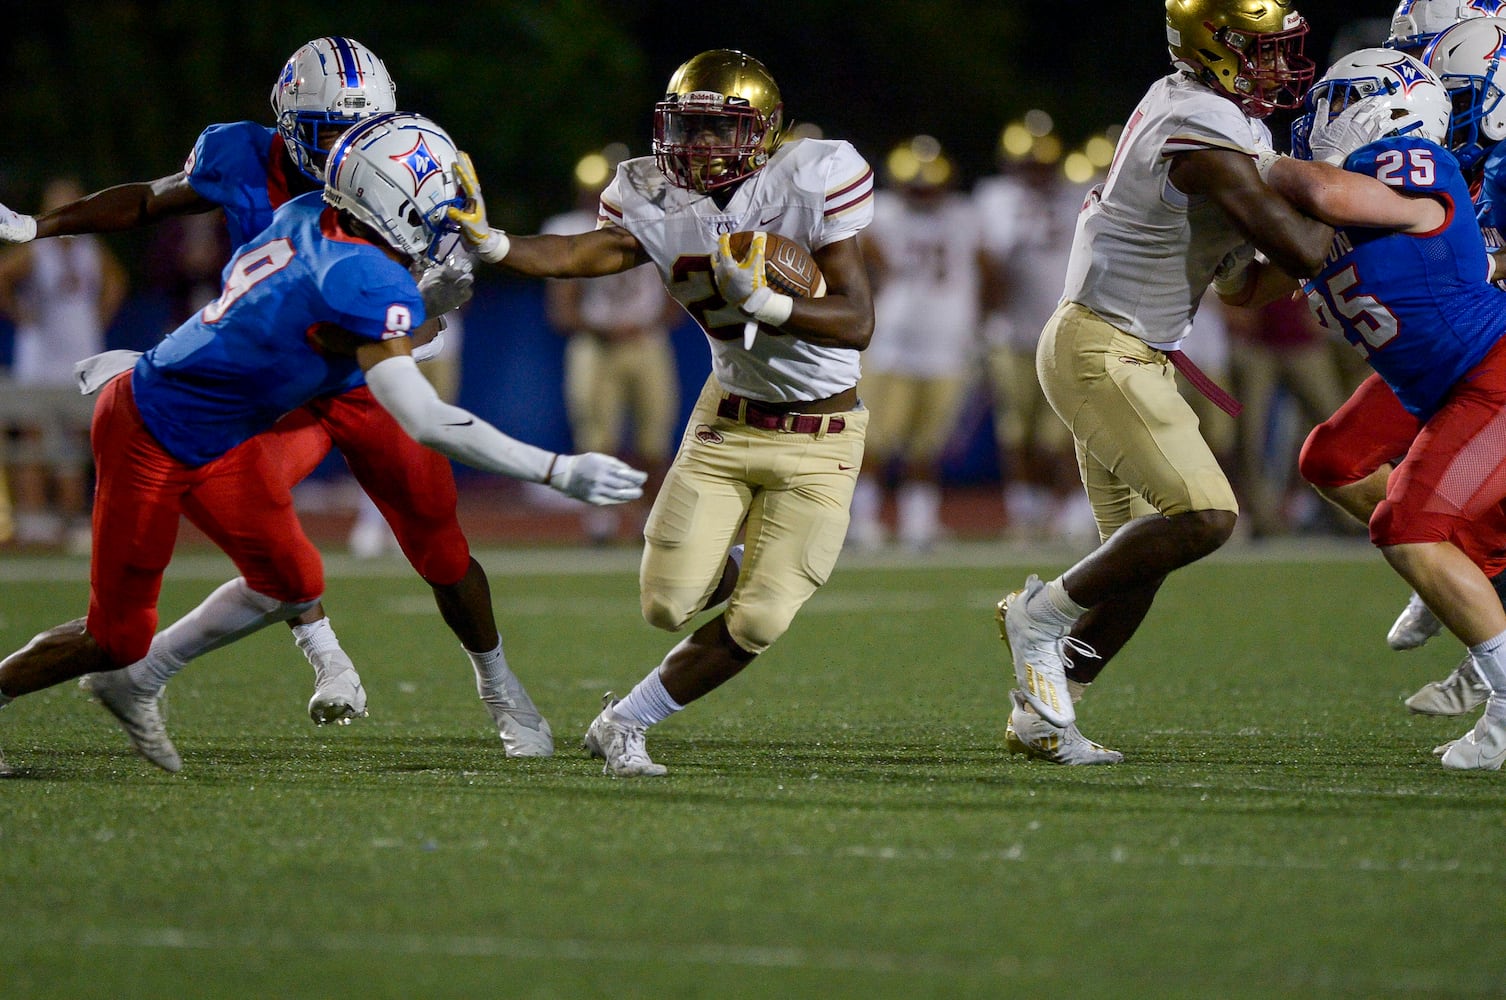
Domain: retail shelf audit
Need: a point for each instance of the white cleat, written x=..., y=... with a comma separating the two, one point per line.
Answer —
x=1029, y=734
x=338, y=698
x=1036, y=649
x=524, y=732
x=620, y=742
x=138, y=714
x=1456, y=694
x=1414, y=626
x=1483, y=748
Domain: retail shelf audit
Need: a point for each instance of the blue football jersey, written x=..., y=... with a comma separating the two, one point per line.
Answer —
x=1417, y=305
x=242, y=168
x=252, y=355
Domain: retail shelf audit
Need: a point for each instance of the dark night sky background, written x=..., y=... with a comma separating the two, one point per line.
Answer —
x=118, y=91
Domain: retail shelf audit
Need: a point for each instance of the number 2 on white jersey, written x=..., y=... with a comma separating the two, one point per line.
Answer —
x=251, y=267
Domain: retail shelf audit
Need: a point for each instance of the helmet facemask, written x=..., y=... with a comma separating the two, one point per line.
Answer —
x=1274, y=73
x=704, y=141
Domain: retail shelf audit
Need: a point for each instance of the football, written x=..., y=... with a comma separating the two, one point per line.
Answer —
x=788, y=267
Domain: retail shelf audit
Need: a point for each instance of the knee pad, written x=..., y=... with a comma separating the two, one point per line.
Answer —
x=1324, y=461
x=663, y=611
x=755, y=627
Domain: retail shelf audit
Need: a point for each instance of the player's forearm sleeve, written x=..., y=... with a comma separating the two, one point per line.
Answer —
x=449, y=430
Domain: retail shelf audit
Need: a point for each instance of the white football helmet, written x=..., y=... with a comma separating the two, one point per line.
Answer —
x=329, y=82
x=1416, y=22
x=1369, y=95
x=1470, y=59
x=396, y=174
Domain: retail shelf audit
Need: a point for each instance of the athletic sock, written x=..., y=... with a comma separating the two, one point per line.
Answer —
x=318, y=642
x=648, y=703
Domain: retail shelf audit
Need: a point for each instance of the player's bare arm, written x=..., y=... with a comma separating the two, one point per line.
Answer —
x=1344, y=198
x=843, y=317
x=1294, y=242
x=124, y=206
x=588, y=255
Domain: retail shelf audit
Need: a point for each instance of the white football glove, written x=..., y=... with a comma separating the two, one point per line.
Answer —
x=491, y=245
x=447, y=285
x=15, y=227
x=597, y=479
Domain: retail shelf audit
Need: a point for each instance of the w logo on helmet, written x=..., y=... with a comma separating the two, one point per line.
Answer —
x=1410, y=74
x=421, y=163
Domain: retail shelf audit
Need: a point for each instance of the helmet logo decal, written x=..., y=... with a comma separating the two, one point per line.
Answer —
x=1490, y=8
x=421, y=163
x=1410, y=74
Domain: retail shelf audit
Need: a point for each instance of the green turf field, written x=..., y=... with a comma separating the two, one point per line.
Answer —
x=840, y=821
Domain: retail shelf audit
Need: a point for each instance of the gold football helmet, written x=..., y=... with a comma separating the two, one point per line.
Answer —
x=1250, y=50
x=719, y=121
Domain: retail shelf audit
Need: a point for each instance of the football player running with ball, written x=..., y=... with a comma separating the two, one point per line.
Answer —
x=319, y=303
x=249, y=170
x=1183, y=198
x=774, y=443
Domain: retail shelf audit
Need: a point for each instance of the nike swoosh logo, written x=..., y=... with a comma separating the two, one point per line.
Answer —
x=845, y=468
x=772, y=218
x=463, y=423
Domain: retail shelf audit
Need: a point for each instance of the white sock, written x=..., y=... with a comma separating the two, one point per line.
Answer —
x=1053, y=606
x=867, y=500
x=232, y=611
x=919, y=513
x=648, y=703
x=1490, y=664
x=491, y=671
x=318, y=642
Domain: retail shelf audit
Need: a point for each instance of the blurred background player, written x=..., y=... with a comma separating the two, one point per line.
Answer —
x=1182, y=201
x=621, y=390
x=1028, y=211
x=924, y=257
x=775, y=440
x=320, y=301
x=62, y=295
x=1283, y=370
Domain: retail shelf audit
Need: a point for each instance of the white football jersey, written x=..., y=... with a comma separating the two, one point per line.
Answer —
x=634, y=297
x=60, y=321
x=1027, y=230
x=927, y=304
x=813, y=191
x=1144, y=252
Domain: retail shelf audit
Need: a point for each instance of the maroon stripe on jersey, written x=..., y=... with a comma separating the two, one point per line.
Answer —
x=610, y=211
x=860, y=181
x=839, y=209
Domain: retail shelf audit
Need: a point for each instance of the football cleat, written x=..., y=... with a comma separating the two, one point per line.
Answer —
x=1029, y=734
x=1036, y=649
x=1483, y=748
x=138, y=714
x=620, y=742
x=1456, y=694
x=338, y=698
x=524, y=732
x=1414, y=626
